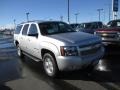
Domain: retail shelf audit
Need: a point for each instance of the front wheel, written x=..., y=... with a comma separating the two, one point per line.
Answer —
x=50, y=65
x=19, y=52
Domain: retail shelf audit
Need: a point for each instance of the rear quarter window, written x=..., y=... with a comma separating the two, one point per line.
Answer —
x=18, y=29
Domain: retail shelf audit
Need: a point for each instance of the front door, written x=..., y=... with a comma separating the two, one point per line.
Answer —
x=33, y=42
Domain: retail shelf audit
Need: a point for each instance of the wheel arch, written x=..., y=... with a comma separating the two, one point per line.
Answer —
x=43, y=51
x=16, y=42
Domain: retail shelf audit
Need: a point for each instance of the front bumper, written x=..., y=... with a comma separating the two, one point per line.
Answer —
x=109, y=37
x=70, y=63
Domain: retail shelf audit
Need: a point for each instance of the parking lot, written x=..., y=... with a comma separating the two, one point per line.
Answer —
x=106, y=75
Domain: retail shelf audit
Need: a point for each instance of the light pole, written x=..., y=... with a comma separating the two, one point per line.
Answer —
x=99, y=11
x=61, y=18
x=109, y=12
x=50, y=19
x=27, y=14
x=68, y=12
x=76, y=16
x=104, y=15
x=14, y=23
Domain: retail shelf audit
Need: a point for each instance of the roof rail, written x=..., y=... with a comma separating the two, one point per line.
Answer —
x=32, y=21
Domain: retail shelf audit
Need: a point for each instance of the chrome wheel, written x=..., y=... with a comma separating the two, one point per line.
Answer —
x=18, y=51
x=49, y=65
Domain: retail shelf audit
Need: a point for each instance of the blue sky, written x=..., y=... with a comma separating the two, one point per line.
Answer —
x=52, y=9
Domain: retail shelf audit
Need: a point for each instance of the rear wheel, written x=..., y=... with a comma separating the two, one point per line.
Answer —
x=50, y=65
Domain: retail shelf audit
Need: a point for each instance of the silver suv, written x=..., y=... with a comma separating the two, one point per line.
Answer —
x=57, y=45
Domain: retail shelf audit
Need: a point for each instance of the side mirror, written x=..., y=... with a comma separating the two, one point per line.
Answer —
x=34, y=35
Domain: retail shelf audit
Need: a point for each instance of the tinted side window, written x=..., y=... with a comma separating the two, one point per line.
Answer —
x=109, y=24
x=18, y=29
x=100, y=25
x=33, y=29
x=113, y=24
x=24, y=32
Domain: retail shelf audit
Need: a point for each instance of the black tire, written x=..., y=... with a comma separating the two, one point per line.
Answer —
x=50, y=65
x=19, y=52
x=90, y=69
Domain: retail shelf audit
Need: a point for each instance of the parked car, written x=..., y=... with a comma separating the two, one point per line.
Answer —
x=74, y=26
x=111, y=34
x=90, y=27
x=58, y=46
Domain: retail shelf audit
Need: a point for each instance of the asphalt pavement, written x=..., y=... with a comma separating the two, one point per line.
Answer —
x=106, y=75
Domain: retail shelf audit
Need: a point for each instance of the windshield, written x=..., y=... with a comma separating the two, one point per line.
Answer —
x=114, y=23
x=49, y=28
x=92, y=25
x=74, y=25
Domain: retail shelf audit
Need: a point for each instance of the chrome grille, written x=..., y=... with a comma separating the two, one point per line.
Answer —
x=108, y=35
x=90, y=44
x=89, y=49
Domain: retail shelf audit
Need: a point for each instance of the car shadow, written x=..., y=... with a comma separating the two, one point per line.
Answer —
x=4, y=87
x=37, y=71
x=106, y=71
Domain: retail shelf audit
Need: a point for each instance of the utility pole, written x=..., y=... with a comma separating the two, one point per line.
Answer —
x=68, y=12
x=27, y=14
x=99, y=11
x=76, y=16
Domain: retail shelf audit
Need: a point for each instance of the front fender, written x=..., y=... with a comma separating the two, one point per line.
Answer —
x=51, y=47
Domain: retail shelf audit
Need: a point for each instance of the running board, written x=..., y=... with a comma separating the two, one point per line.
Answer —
x=32, y=57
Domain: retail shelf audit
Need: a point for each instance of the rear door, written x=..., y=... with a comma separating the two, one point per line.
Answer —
x=23, y=38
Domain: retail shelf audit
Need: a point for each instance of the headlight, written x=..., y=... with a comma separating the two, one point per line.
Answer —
x=69, y=51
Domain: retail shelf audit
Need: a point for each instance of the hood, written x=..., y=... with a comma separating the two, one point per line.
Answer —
x=74, y=37
x=116, y=29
